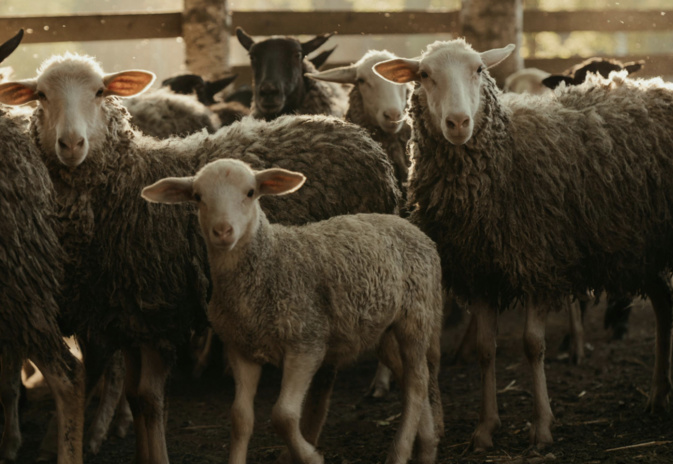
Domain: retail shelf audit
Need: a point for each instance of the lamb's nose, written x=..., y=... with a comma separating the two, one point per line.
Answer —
x=222, y=230
x=457, y=121
x=392, y=115
x=71, y=143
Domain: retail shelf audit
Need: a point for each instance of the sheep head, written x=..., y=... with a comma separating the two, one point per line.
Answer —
x=450, y=76
x=227, y=193
x=384, y=101
x=71, y=90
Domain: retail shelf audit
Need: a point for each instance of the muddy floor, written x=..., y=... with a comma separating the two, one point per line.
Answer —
x=598, y=407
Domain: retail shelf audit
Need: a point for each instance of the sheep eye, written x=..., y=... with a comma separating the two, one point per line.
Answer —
x=251, y=192
x=480, y=69
x=99, y=93
x=197, y=197
x=360, y=80
x=424, y=75
x=41, y=95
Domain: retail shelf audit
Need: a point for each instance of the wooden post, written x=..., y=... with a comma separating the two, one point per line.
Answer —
x=488, y=24
x=206, y=29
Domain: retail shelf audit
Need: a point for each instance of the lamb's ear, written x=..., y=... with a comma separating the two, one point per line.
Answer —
x=555, y=80
x=399, y=70
x=128, y=83
x=496, y=56
x=276, y=181
x=315, y=43
x=8, y=47
x=320, y=58
x=634, y=66
x=244, y=38
x=18, y=93
x=343, y=75
x=170, y=190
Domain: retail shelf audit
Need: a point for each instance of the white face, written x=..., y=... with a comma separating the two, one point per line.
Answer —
x=72, y=103
x=384, y=102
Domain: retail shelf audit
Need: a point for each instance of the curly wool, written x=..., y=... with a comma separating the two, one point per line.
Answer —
x=395, y=145
x=162, y=114
x=137, y=272
x=31, y=258
x=320, y=98
x=551, y=196
x=347, y=172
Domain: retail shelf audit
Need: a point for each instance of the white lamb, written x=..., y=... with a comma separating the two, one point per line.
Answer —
x=310, y=299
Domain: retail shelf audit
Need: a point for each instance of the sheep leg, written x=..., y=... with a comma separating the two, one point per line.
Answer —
x=659, y=292
x=113, y=385
x=415, y=405
x=151, y=391
x=380, y=385
x=317, y=403
x=67, y=383
x=133, y=372
x=123, y=418
x=203, y=353
x=298, y=371
x=468, y=345
x=486, y=320
x=534, y=346
x=576, y=349
x=246, y=376
x=10, y=391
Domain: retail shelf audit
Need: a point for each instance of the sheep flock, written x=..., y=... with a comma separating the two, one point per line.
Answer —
x=312, y=217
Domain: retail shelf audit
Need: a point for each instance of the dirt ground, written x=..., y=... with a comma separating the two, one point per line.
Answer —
x=598, y=407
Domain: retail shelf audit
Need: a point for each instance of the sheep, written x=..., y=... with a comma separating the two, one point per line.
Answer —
x=188, y=84
x=162, y=113
x=377, y=105
x=527, y=80
x=533, y=198
x=310, y=299
x=279, y=86
x=577, y=74
x=31, y=269
x=137, y=275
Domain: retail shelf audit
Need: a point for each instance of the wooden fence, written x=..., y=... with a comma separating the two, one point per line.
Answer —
x=41, y=29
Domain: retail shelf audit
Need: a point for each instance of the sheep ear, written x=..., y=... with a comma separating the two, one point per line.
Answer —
x=18, y=93
x=320, y=58
x=8, y=47
x=127, y=83
x=314, y=43
x=399, y=70
x=170, y=190
x=634, y=66
x=244, y=39
x=278, y=181
x=493, y=57
x=344, y=75
x=554, y=81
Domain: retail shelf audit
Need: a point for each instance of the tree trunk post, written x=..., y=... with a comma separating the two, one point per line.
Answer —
x=488, y=24
x=206, y=29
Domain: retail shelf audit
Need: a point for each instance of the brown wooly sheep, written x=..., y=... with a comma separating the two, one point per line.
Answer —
x=535, y=199
x=310, y=299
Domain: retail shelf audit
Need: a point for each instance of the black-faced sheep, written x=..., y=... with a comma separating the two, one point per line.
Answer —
x=577, y=74
x=31, y=270
x=279, y=86
x=534, y=199
x=311, y=299
x=137, y=273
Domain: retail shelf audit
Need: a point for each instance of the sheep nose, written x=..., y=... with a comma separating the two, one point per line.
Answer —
x=268, y=88
x=457, y=121
x=222, y=231
x=71, y=143
x=392, y=115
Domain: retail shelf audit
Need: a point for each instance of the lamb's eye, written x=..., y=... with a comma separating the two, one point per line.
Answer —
x=480, y=69
x=424, y=75
x=41, y=95
x=251, y=192
x=360, y=80
x=197, y=197
x=99, y=93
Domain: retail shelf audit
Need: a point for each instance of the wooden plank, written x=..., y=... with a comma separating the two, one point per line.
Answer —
x=598, y=21
x=76, y=28
x=655, y=65
x=345, y=22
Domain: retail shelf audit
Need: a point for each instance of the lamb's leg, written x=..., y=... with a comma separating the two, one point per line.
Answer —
x=10, y=389
x=113, y=385
x=576, y=348
x=659, y=292
x=415, y=406
x=534, y=346
x=317, y=403
x=67, y=383
x=486, y=320
x=380, y=385
x=151, y=392
x=468, y=344
x=298, y=370
x=246, y=376
x=132, y=382
x=122, y=419
x=203, y=352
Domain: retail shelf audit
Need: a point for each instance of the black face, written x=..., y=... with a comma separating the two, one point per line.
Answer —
x=278, y=74
x=8, y=47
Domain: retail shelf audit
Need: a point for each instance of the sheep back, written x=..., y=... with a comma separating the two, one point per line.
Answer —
x=347, y=172
x=551, y=196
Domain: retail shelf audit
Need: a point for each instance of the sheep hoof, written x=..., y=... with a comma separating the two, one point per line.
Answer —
x=481, y=441
x=540, y=437
x=378, y=392
x=46, y=456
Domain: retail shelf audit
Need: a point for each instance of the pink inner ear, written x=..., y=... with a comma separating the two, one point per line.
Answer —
x=129, y=83
x=17, y=94
x=396, y=71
